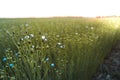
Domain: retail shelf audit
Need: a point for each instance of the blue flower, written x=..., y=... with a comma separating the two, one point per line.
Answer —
x=52, y=65
x=11, y=65
x=4, y=59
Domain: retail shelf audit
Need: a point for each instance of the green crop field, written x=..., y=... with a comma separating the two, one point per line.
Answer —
x=55, y=48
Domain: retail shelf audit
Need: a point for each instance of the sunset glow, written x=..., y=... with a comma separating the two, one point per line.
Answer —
x=50, y=8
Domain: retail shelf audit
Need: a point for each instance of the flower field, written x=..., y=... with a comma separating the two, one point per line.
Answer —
x=54, y=48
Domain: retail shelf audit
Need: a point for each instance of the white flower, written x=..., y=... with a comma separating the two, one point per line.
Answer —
x=76, y=33
x=59, y=43
x=33, y=46
x=92, y=27
x=62, y=46
x=21, y=39
x=47, y=46
x=27, y=37
x=43, y=38
x=31, y=35
x=47, y=59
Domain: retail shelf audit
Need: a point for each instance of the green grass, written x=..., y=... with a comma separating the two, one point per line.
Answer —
x=54, y=48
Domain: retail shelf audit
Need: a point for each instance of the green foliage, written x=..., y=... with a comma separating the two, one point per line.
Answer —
x=54, y=48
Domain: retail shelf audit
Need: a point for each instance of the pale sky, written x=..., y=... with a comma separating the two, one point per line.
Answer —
x=49, y=8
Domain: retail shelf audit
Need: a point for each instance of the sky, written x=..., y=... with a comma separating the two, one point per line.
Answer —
x=51, y=8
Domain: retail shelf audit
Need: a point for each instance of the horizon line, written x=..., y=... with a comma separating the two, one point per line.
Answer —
x=67, y=16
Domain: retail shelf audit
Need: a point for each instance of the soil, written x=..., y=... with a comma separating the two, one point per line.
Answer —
x=110, y=69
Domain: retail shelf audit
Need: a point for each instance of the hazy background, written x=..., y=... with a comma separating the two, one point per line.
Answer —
x=49, y=8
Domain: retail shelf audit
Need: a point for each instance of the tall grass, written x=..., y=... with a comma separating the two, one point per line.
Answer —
x=54, y=48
